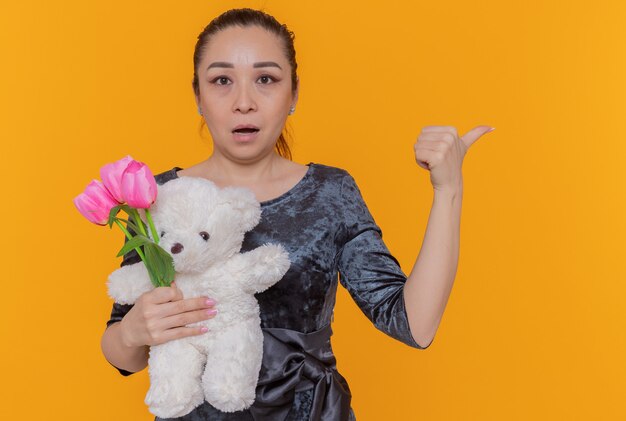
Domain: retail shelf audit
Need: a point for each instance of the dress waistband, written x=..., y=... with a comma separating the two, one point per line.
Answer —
x=292, y=359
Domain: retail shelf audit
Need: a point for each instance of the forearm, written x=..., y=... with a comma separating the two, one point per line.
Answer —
x=429, y=285
x=119, y=354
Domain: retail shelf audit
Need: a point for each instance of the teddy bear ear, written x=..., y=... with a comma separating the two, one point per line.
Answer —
x=244, y=201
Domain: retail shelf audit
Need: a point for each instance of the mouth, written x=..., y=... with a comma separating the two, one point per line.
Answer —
x=245, y=133
x=246, y=129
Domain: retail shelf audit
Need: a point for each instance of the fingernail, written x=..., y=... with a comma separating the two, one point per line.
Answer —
x=210, y=302
x=492, y=129
x=211, y=312
x=204, y=329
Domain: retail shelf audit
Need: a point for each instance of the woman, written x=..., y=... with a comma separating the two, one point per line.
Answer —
x=245, y=85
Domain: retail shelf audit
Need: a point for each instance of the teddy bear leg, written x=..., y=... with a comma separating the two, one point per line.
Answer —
x=233, y=366
x=175, y=369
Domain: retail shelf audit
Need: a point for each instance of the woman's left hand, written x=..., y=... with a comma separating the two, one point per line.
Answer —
x=440, y=150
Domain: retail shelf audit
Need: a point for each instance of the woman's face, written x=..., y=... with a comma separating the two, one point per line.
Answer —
x=245, y=79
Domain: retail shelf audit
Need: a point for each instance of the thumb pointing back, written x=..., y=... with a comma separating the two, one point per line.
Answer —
x=473, y=135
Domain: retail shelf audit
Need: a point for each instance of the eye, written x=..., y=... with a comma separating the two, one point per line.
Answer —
x=162, y=233
x=204, y=235
x=219, y=78
x=266, y=77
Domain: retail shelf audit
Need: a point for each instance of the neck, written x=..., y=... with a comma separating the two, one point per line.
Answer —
x=229, y=172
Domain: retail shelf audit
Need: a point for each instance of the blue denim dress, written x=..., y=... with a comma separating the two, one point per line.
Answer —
x=331, y=237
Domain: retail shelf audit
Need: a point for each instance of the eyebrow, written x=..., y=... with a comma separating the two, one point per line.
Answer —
x=255, y=65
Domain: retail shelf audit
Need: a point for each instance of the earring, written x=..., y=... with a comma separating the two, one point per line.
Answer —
x=292, y=110
x=199, y=110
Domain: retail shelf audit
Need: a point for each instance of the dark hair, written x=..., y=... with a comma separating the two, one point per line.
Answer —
x=247, y=17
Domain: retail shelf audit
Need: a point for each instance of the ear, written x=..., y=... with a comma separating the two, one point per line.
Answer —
x=196, y=97
x=244, y=202
x=197, y=102
x=295, y=95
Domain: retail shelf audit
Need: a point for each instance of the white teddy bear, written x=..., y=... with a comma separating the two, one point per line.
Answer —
x=203, y=228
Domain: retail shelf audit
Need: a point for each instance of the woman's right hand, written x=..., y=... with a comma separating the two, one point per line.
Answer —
x=160, y=315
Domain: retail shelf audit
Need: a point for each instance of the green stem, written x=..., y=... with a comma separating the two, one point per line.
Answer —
x=139, y=221
x=129, y=236
x=128, y=224
x=152, y=228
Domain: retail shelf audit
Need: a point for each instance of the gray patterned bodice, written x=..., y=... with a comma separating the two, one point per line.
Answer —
x=325, y=225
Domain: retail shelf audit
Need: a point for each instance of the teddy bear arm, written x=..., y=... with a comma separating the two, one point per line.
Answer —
x=266, y=265
x=128, y=283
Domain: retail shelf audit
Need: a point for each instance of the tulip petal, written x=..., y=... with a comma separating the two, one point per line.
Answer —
x=111, y=175
x=95, y=203
x=139, y=188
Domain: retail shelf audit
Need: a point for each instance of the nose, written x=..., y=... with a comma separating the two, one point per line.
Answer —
x=177, y=248
x=244, y=100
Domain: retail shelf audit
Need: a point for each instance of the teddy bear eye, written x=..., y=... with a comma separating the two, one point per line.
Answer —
x=162, y=233
x=204, y=235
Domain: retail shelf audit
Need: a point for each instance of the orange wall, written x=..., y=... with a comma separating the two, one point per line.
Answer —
x=534, y=328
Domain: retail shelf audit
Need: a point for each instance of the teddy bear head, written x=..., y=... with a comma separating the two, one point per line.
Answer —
x=200, y=224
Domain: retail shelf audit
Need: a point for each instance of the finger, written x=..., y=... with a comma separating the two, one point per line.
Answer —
x=183, y=306
x=473, y=135
x=162, y=295
x=440, y=129
x=430, y=146
x=182, y=332
x=424, y=158
x=423, y=165
x=446, y=137
x=183, y=319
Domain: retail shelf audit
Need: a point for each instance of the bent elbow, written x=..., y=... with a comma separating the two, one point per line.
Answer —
x=424, y=341
x=427, y=342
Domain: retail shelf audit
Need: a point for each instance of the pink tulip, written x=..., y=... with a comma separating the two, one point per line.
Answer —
x=95, y=203
x=111, y=175
x=139, y=188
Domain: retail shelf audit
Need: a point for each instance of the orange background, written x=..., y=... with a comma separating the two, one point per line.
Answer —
x=534, y=328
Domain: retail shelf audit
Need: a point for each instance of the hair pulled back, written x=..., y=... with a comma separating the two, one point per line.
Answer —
x=247, y=17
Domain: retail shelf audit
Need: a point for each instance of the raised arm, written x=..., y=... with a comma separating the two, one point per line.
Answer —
x=440, y=150
x=368, y=270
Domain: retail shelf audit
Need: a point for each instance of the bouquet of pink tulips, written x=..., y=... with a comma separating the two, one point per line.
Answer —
x=128, y=185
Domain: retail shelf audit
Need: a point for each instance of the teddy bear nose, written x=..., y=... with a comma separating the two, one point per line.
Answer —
x=177, y=248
